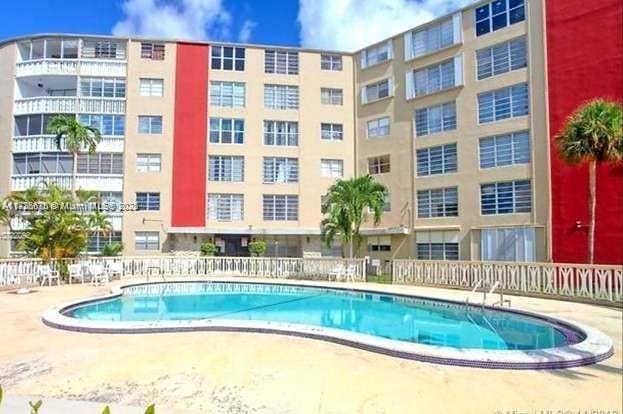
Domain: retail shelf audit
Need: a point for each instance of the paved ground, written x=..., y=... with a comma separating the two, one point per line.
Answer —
x=261, y=373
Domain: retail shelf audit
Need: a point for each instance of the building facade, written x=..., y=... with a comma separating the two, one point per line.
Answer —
x=232, y=143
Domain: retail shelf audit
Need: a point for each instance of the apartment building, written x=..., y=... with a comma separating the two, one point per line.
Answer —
x=232, y=143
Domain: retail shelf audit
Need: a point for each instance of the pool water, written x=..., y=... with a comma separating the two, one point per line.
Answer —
x=409, y=319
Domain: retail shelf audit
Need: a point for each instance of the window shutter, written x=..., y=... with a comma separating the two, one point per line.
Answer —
x=408, y=45
x=458, y=70
x=457, y=27
x=364, y=99
x=363, y=59
x=410, y=86
x=390, y=49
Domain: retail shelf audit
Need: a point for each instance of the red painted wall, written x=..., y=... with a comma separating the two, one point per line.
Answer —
x=190, y=136
x=585, y=60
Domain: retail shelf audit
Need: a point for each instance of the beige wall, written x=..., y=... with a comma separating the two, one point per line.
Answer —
x=7, y=83
x=401, y=143
x=136, y=143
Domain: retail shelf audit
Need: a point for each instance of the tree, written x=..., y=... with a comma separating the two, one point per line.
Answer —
x=112, y=249
x=257, y=248
x=76, y=136
x=347, y=205
x=593, y=134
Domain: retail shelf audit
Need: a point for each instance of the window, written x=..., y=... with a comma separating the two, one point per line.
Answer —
x=279, y=207
x=330, y=62
x=149, y=124
x=153, y=51
x=331, y=96
x=332, y=132
x=148, y=162
x=501, y=58
x=226, y=131
x=376, y=91
x=26, y=125
x=435, y=119
x=281, y=170
x=146, y=240
x=379, y=243
x=377, y=54
x=510, y=244
x=438, y=202
x=227, y=94
x=436, y=160
x=151, y=87
x=282, y=133
x=503, y=103
x=433, y=78
x=112, y=125
x=100, y=163
x=378, y=165
x=498, y=14
x=281, y=61
x=225, y=207
x=54, y=49
x=378, y=127
x=432, y=38
x=226, y=168
x=332, y=168
x=227, y=58
x=506, y=197
x=148, y=201
x=281, y=97
x=42, y=163
x=437, y=245
x=505, y=149
x=97, y=241
x=387, y=204
x=103, y=49
x=102, y=87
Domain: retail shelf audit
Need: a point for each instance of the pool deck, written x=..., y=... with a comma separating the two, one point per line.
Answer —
x=266, y=373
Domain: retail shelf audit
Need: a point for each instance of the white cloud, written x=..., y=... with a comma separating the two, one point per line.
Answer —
x=352, y=24
x=179, y=19
x=245, y=32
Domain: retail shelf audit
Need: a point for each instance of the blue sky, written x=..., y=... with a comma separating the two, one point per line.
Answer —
x=333, y=24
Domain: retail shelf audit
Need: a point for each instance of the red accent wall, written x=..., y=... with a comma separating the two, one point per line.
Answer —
x=190, y=136
x=584, y=61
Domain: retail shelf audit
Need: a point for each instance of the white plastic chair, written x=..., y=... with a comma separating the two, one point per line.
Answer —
x=115, y=269
x=337, y=272
x=45, y=272
x=75, y=272
x=98, y=274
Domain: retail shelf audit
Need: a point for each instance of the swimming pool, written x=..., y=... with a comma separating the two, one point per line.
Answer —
x=366, y=319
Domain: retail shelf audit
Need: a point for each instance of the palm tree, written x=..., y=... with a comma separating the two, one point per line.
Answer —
x=76, y=136
x=348, y=204
x=592, y=133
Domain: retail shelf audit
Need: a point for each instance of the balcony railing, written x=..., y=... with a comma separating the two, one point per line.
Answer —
x=87, y=182
x=47, y=143
x=46, y=67
x=593, y=283
x=102, y=68
x=45, y=105
x=102, y=105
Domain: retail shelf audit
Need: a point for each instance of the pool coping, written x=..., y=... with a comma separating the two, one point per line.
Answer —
x=595, y=347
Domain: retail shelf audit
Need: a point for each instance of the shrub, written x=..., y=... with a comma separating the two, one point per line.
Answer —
x=112, y=249
x=208, y=249
x=257, y=248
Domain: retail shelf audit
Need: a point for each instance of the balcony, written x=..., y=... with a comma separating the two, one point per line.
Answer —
x=46, y=143
x=102, y=68
x=87, y=182
x=46, y=67
x=45, y=105
x=102, y=105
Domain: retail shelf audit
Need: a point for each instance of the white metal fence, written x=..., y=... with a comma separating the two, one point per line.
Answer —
x=14, y=272
x=595, y=283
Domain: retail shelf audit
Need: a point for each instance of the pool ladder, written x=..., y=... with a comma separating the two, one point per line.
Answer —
x=478, y=284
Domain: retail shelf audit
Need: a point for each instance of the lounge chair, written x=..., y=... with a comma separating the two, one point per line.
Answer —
x=115, y=269
x=98, y=274
x=337, y=272
x=76, y=272
x=45, y=272
x=349, y=274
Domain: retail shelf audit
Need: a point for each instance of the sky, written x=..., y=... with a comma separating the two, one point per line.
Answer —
x=327, y=24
